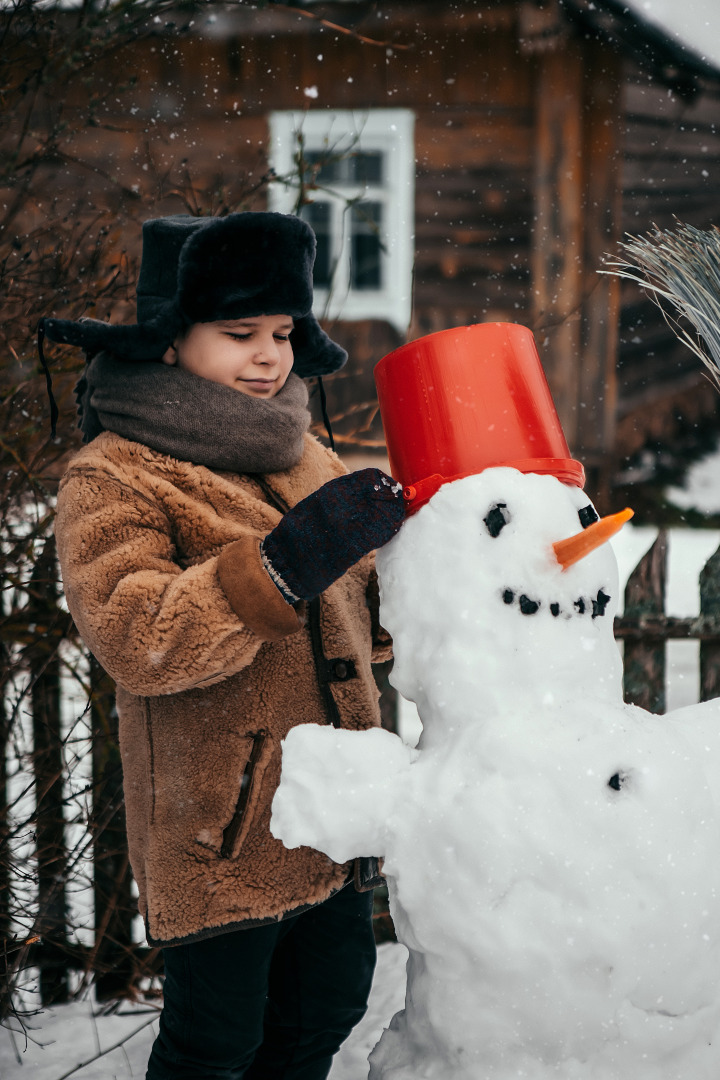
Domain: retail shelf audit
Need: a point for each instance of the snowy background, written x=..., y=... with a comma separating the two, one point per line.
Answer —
x=695, y=24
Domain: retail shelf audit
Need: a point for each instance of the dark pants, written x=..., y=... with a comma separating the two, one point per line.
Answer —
x=268, y=1003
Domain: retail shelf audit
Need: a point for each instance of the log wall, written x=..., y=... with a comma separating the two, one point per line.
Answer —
x=529, y=162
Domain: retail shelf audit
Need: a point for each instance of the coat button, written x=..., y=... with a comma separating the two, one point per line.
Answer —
x=340, y=670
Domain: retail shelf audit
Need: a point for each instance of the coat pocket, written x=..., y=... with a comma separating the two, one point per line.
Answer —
x=237, y=826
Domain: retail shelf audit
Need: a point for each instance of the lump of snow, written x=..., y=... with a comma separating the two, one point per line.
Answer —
x=361, y=766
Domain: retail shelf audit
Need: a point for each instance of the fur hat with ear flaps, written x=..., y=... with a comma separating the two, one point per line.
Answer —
x=197, y=270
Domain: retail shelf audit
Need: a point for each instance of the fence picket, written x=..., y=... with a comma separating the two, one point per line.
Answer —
x=112, y=956
x=644, y=659
x=44, y=665
x=710, y=611
x=5, y=894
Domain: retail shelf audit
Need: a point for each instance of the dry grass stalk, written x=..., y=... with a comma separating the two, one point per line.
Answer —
x=682, y=266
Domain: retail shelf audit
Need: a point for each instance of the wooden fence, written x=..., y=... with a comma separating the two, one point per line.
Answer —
x=114, y=963
x=645, y=628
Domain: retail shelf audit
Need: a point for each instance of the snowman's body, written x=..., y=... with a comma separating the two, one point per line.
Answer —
x=552, y=854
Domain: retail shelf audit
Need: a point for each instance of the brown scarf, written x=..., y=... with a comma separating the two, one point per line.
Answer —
x=194, y=419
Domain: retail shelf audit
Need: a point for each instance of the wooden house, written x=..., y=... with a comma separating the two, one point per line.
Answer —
x=462, y=162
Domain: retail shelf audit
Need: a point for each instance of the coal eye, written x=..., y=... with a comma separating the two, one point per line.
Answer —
x=587, y=515
x=497, y=519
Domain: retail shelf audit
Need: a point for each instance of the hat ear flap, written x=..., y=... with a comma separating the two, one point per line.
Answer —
x=135, y=342
x=315, y=353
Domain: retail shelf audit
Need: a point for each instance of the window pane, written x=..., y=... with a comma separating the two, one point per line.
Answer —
x=366, y=168
x=319, y=168
x=317, y=215
x=365, y=246
x=343, y=166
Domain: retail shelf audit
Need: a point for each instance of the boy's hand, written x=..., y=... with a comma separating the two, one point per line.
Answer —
x=329, y=531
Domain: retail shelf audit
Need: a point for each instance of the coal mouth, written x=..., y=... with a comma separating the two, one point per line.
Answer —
x=594, y=607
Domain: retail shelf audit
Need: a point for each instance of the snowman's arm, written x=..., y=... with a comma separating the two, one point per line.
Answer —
x=337, y=789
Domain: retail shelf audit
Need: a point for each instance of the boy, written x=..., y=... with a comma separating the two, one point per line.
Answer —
x=215, y=558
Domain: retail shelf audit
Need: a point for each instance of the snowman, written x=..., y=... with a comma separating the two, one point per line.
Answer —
x=551, y=852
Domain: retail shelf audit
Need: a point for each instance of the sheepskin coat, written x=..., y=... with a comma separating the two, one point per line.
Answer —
x=162, y=573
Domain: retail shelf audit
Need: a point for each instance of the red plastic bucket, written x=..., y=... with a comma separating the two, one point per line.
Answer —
x=467, y=399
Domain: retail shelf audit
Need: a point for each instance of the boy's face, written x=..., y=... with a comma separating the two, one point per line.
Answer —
x=251, y=355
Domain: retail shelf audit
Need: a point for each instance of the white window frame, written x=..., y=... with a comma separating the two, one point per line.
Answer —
x=389, y=131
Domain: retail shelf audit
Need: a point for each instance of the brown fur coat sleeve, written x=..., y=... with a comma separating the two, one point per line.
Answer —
x=156, y=627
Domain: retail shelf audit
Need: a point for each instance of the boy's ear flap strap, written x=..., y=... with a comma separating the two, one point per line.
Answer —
x=48, y=379
x=139, y=341
x=323, y=409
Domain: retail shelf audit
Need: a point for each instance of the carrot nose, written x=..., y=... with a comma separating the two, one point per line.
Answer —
x=576, y=547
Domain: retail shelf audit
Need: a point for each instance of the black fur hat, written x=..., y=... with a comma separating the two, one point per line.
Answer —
x=198, y=270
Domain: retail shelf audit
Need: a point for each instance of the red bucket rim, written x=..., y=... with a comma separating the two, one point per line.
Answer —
x=567, y=470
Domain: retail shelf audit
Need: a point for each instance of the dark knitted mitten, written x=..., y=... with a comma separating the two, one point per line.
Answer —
x=329, y=531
